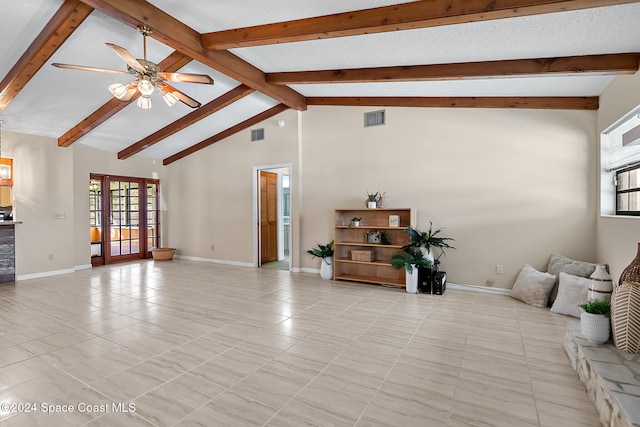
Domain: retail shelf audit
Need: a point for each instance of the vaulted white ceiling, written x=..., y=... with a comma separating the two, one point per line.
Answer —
x=55, y=100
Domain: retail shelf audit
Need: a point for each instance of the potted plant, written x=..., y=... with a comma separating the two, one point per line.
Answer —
x=425, y=240
x=326, y=253
x=595, y=324
x=410, y=259
x=372, y=199
x=355, y=221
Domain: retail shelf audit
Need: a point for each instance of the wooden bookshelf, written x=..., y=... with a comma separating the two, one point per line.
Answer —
x=348, y=238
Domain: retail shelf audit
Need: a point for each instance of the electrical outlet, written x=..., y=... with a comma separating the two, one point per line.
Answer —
x=50, y=257
x=491, y=282
x=499, y=269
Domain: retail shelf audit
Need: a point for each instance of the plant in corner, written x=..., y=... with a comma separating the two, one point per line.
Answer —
x=326, y=253
x=426, y=240
x=595, y=324
x=410, y=259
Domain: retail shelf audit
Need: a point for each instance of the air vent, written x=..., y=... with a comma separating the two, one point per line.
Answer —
x=631, y=137
x=257, y=134
x=374, y=118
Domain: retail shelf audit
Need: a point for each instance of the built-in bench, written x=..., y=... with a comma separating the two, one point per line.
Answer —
x=612, y=377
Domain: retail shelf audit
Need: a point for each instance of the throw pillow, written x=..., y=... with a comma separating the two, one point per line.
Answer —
x=533, y=286
x=559, y=263
x=572, y=291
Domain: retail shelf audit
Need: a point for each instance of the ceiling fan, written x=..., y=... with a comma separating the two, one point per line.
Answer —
x=148, y=77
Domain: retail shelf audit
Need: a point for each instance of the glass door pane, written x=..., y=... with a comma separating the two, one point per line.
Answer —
x=153, y=217
x=95, y=217
x=124, y=218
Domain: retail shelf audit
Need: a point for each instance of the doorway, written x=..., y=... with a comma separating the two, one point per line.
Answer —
x=124, y=218
x=272, y=203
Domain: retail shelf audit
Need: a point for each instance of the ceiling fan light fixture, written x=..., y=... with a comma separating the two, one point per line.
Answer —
x=118, y=90
x=145, y=87
x=144, y=102
x=170, y=98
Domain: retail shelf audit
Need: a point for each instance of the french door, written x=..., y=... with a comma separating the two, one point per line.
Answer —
x=129, y=216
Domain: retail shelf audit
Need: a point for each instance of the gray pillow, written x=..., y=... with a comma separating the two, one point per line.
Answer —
x=561, y=264
x=572, y=291
x=533, y=286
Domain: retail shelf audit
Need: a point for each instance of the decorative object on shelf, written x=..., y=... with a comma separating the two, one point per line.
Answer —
x=381, y=202
x=163, y=254
x=625, y=316
x=394, y=220
x=374, y=236
x=594, y=322
x=372, y=200
x=426, y=240
x=325, y=252
x=361, y=255
x=632, y=272
x=355, y=221
x=411, y=259
x=600, y=287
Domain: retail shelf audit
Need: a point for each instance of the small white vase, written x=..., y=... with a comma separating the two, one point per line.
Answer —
x=326, y=268
x=600, y=286
x=595, y=328
x=412, y=280
x=372, y=205
x=427, y=255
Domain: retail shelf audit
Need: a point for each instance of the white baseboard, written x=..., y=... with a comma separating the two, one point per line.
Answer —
x=309, y=270
x=82, y=267
x=476, y=288
x=215, y=261
x=44, y=274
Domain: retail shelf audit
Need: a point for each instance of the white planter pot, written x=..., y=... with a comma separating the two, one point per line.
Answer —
x=412, y=281
x=427, y=255
x=326, y=268
x=595, y=328
x=372, y=205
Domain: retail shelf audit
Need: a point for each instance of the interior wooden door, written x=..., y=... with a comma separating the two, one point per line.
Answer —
x=268, y=217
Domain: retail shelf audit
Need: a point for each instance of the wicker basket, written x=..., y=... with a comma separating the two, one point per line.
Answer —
x=163, y=254
x=359, y=255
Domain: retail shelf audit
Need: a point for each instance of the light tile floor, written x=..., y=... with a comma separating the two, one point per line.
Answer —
x=190, y=343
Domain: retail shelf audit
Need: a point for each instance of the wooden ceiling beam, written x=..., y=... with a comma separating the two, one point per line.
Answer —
x=206, y=110
x=621, y=63
x=170, y=64
x=407, y=16
x=180, y=37
x=63, y=23
x=227, y=133
x=546, y=103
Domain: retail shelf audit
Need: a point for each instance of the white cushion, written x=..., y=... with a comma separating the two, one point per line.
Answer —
x=533, y=286
x=572, y=291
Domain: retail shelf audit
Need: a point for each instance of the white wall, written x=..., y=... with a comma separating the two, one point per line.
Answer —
x=618, y=237
x=511, y=186
x=210, y=194
x=42, y=188
x=51, y=180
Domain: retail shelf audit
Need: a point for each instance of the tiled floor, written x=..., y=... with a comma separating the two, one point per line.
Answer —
x=190, y=343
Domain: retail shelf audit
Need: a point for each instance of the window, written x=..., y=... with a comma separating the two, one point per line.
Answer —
x=620, y=165
x=628, y=191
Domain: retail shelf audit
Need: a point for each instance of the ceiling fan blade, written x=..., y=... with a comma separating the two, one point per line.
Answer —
x=128, y=57
x=182, y=97
x=186, y=78
x=84, y=68
x=132, y=89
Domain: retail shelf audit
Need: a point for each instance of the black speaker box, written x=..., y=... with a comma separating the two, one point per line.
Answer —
x=424, y=280
x=439, y=284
